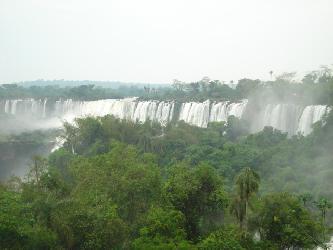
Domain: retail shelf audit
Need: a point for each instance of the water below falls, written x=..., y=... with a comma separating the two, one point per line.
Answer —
x=289, y=118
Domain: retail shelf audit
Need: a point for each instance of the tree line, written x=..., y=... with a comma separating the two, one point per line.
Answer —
x=315, y=87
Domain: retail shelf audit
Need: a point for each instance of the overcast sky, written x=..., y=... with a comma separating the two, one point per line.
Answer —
x=157, y=41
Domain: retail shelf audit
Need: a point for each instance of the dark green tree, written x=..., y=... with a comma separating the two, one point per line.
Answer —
x=282, y=220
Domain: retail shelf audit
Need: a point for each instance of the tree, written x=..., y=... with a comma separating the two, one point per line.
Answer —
x=282, y=220
x=18, y=229
x=223, y=239
x=247, y=86
x=235, y=128
x=60, y=159
x=164, y=229
x=70, y=137
x=37, y=169
x=237, y=208
x=306, y=197
x=178, y=85
x=197, y=193
x=323, y=205
x=286, y=77
x=194, y=87
x=247, y=183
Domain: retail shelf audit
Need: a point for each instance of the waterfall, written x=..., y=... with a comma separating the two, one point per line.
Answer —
x=310, y=115
x=145, y=111
x=195, y=113
x=14, y=107
x=127, y=108
x=237, y=108
x=289, y=118
x=7, y=106
x=22, y=107
x=44, y=108
x=282, y=116
x=220, y=111
x=164, y=112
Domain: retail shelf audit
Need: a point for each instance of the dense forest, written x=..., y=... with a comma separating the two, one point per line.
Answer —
x=117, y=184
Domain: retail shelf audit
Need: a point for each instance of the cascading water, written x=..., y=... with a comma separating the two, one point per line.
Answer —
x=195, y=113
x=220, y=111
x=284, y=117
x=289, y=118
x=310, y=115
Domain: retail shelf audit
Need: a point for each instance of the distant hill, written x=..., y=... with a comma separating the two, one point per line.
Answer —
x=73, y=83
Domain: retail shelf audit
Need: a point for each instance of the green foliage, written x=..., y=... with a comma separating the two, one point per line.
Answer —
x=245, y=87
x=223, y=239
x=198, y=91
x=164, y=229
x=247, y=184
x=18, y=229
x=54, y=90
x=131, y=181
x=197, y=193
x=60, y=159
x=323, y=205
x=283, y=220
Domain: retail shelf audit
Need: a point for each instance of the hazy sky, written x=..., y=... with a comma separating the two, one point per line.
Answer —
x=157, y=41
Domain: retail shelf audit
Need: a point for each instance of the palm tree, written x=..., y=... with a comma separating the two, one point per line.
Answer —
x=323, y=205
x=304, y=198
x=237, y=208
x=247, y=183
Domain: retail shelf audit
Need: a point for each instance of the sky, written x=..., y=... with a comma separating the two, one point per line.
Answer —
x=157, y=41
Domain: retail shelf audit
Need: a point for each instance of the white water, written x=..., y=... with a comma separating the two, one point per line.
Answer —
x=291, y=118
x=220, y=111
x=59, y=142
x=310, y=115
x=285, y=117
x=195, y=113
x=31, y=106
x=127, y=108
